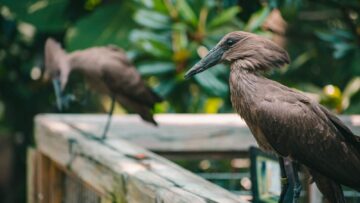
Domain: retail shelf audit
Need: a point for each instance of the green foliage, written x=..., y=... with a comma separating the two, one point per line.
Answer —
x=98, y=29
x=174, y=37
x=165, y=38
x=324, y=40
x=48, y=15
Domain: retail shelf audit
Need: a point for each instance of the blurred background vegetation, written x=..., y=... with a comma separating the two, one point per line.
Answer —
x=164, y=38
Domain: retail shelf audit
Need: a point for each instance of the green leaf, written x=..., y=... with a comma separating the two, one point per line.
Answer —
x=350, y=90
x=257, y=19
x=138, y=35
x=104, y=26
x=149, y=42
x=342, y=48
x=186, y=12
x=157, y=5
x=224, y=17
x=151, y=19
x=165, y=87
x=45, y=15
x=212, y=84
x=155, y=68
x=301, y=59
x=179, y=36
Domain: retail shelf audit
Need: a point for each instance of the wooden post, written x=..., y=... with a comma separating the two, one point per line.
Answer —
x=31, y=175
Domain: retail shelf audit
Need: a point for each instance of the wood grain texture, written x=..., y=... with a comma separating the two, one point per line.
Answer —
x=31, y=175
x=123, y=172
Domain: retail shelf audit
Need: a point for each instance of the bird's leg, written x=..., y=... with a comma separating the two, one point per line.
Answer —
x=107, y=125
x=58, y=94
x=284, y=180
x=297, y=184
x=288, y=180
x=62, y=101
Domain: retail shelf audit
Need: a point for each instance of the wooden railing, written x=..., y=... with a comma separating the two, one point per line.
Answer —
x=70, y=164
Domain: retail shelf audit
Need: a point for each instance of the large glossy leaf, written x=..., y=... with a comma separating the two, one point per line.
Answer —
x=212, y=84
x=179, y=36
x=350, y=90
x=155, y=45
x=45, y=15
x=137, y=35
x=186, y=12
x=224, y=17
x=155, y=68
x=165, y=87
x=109, y=24
x=257, y=19
x=342, y=48
x=151, y=19
x=157, y=5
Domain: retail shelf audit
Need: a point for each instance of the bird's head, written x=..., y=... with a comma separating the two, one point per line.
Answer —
x=248, y=50
x=57, y=67
x=56, y=63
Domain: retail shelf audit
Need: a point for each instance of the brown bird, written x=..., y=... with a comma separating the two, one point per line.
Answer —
x=285, y=121
x=108, y=71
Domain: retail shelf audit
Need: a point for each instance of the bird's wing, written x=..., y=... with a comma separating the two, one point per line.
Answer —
x=331, y=190
x=297, y=127
x=344, y=130
x=122, y=78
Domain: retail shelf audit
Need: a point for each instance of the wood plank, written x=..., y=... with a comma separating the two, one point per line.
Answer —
x=199, y=133
x=42, y=174
x=122, y=171
x=55, y=184
x=31, y=175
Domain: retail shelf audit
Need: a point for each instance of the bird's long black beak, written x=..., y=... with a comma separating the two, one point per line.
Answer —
x=58, y=94
x=211, y=59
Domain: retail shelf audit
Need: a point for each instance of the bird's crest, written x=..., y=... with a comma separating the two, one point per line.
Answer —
x=253, y=52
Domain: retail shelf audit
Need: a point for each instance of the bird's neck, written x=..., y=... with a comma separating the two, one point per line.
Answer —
x=245, y=80
x=244, y=89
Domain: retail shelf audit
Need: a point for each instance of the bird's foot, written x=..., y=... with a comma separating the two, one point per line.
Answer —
x=284, y=188
x=71, y=143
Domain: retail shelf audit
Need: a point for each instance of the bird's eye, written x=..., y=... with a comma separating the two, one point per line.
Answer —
x=230, y=42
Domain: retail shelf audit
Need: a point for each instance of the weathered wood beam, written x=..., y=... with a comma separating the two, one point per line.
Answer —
x=179, y=133
x=121, y=171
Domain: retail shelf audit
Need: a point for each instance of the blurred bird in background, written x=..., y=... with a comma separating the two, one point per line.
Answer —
x=284, y=121
x=106, y=70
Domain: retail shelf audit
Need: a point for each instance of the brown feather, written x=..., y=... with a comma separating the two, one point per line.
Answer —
x=285, y=121
x=108, y=71
x=331, y=190
x=288, y=123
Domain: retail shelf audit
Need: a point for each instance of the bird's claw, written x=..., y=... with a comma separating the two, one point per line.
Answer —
x=297, y=192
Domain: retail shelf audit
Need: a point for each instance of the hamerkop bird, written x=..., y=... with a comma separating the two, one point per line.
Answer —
x=282, y=120
x=108, y=71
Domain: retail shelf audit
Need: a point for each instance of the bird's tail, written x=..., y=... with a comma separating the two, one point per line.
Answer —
x=331, y=190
